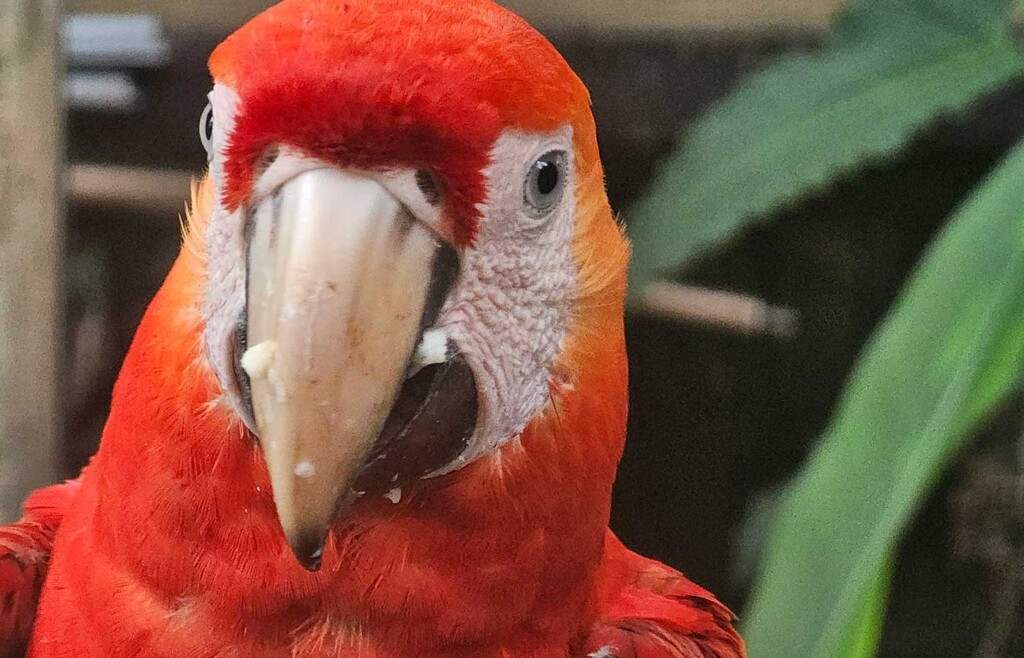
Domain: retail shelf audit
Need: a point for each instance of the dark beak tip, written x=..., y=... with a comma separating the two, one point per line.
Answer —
x=308, y=548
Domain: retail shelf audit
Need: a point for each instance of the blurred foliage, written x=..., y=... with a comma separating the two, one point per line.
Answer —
x=950, y=350
x=887, y=70
x=952, y=347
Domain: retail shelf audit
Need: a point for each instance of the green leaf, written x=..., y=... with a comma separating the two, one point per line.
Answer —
x=950, y=350
x=865, y=628
x=888, y=69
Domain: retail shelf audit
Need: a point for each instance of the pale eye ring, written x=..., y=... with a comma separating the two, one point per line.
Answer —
x=206, y=130
x=545, y=182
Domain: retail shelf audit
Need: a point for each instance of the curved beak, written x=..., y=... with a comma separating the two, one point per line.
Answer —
x=339, y=280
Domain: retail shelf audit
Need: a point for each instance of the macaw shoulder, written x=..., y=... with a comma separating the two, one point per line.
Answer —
x=24, y=556
x=648, y=610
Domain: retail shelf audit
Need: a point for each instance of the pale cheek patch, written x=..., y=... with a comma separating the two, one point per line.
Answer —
x=225, y=284
x=510, y=311
x=225, y=104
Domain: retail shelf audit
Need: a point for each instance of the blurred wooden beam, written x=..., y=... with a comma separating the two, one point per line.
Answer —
x=30, y=247
x=160, y=194
x=718, y=308
x=674, y=15
x=228, y=14
x=595, y=14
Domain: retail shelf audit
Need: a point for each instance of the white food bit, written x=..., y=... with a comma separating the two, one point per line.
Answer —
x=395, y=495
x=603, y=652
x=305, y=469
x=258, y=359
x=433, y=348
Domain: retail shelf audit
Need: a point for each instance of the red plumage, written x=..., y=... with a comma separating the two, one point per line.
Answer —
x=170, y=545
x=655, y=612
x=24, y=557
x=465, y=71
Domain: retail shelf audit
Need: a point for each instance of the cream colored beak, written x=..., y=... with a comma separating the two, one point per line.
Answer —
x=339, y=275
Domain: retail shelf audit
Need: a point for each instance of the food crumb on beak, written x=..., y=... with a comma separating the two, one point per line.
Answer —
x=433, y=348
x=395, y=495
x=305, y=469
x=259, y=358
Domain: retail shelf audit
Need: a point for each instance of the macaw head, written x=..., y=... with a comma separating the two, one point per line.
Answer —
x=409, y=261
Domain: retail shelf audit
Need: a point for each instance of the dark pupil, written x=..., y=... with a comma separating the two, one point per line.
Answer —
x=209, y=125
x=547, y=177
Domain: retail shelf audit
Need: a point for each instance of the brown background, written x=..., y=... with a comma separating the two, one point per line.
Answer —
x=616, y=14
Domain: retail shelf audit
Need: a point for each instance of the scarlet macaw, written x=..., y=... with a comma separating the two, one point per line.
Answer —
x=377, y=406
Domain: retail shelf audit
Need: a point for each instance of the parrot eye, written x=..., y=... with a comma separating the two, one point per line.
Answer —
x=206, y=130
x=545, y=181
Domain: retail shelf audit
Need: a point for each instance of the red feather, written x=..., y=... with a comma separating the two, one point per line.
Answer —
x=24, y=557
x=464, y=71
x=657, y=613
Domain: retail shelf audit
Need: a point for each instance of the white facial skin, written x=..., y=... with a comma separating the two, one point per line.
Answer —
x=509, y=310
